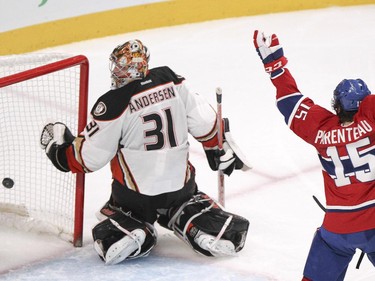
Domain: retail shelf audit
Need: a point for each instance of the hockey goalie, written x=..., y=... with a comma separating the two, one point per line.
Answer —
x=141, y=127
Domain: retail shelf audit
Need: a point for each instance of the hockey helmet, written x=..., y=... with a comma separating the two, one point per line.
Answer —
x=349, y=93
x=128, y=62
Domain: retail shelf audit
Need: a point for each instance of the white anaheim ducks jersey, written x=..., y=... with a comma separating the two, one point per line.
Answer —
x=142, y=129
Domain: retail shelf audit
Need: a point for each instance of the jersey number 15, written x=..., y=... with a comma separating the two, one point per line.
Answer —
x=361, y=163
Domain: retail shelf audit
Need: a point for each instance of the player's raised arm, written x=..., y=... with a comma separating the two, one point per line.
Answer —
x=270, y=52
x=288, y=96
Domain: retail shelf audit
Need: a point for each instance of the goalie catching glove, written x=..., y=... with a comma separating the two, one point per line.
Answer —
x=227, y=159
x=55, y=139
x=270, y=52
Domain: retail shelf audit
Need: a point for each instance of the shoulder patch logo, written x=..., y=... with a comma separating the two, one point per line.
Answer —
x=100, y=109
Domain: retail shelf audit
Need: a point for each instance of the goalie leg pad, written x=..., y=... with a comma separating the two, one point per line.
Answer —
x=122, y=236
x=207, y=228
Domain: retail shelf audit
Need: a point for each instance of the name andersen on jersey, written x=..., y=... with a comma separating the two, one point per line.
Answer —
x=113, y=103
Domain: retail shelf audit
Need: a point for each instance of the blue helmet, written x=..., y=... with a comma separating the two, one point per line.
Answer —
x=349, y=93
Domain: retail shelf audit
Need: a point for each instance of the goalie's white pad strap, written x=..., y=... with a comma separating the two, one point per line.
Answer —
x=127, y=232
x=122, y=249
x=232, y=144
x=191, y=219
x=218, y=237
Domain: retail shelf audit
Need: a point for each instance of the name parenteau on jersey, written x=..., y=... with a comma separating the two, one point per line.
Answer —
x=137, y=103
x=343, y=135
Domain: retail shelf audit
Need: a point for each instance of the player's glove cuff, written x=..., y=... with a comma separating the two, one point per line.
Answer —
x=57, y=154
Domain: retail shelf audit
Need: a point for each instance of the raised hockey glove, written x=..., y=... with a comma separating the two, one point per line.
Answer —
x=55, y=139
x=271, y=53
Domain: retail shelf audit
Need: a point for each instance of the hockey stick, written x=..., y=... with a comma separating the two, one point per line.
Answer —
x=220, y=131
x=360, y=260
x=319, y=204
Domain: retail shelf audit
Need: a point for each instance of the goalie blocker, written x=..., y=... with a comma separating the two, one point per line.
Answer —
x=200, y=222
x=229, y=158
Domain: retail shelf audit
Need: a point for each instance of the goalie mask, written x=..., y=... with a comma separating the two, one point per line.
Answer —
x=128, y=62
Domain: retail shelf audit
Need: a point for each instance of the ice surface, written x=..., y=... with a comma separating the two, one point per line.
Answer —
x=323, y=47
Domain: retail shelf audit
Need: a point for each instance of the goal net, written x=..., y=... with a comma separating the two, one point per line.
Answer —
x=36, y=89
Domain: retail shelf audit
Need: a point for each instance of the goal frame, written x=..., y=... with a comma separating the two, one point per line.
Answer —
x=73, y=61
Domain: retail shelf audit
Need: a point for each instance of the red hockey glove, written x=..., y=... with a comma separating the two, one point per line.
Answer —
x=270, y=52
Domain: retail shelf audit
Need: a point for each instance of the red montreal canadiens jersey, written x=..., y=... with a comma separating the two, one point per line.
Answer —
x=347, y=155
x=142, y=130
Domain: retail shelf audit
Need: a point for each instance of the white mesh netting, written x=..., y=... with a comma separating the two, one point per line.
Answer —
x=42, y=198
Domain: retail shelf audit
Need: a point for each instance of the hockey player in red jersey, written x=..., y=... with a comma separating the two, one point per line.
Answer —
x=345, y=142
x=141, y=127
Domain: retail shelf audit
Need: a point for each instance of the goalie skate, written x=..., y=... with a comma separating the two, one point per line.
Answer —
x=123, y=248
x=218, y=248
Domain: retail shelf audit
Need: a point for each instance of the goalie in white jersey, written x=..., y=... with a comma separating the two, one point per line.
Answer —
x=141, y=127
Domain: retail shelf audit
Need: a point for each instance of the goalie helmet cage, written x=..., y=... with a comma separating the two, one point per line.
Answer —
x=36, y=89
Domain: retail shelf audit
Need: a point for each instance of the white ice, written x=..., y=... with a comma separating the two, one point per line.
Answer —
x=323, y=47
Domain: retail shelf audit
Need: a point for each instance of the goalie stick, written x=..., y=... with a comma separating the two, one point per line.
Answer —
x=220, y=131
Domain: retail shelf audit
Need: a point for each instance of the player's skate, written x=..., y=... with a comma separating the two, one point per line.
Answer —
x=122, y=249
x=217, y=248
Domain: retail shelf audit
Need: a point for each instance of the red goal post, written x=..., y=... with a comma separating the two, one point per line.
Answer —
x=36, y=89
